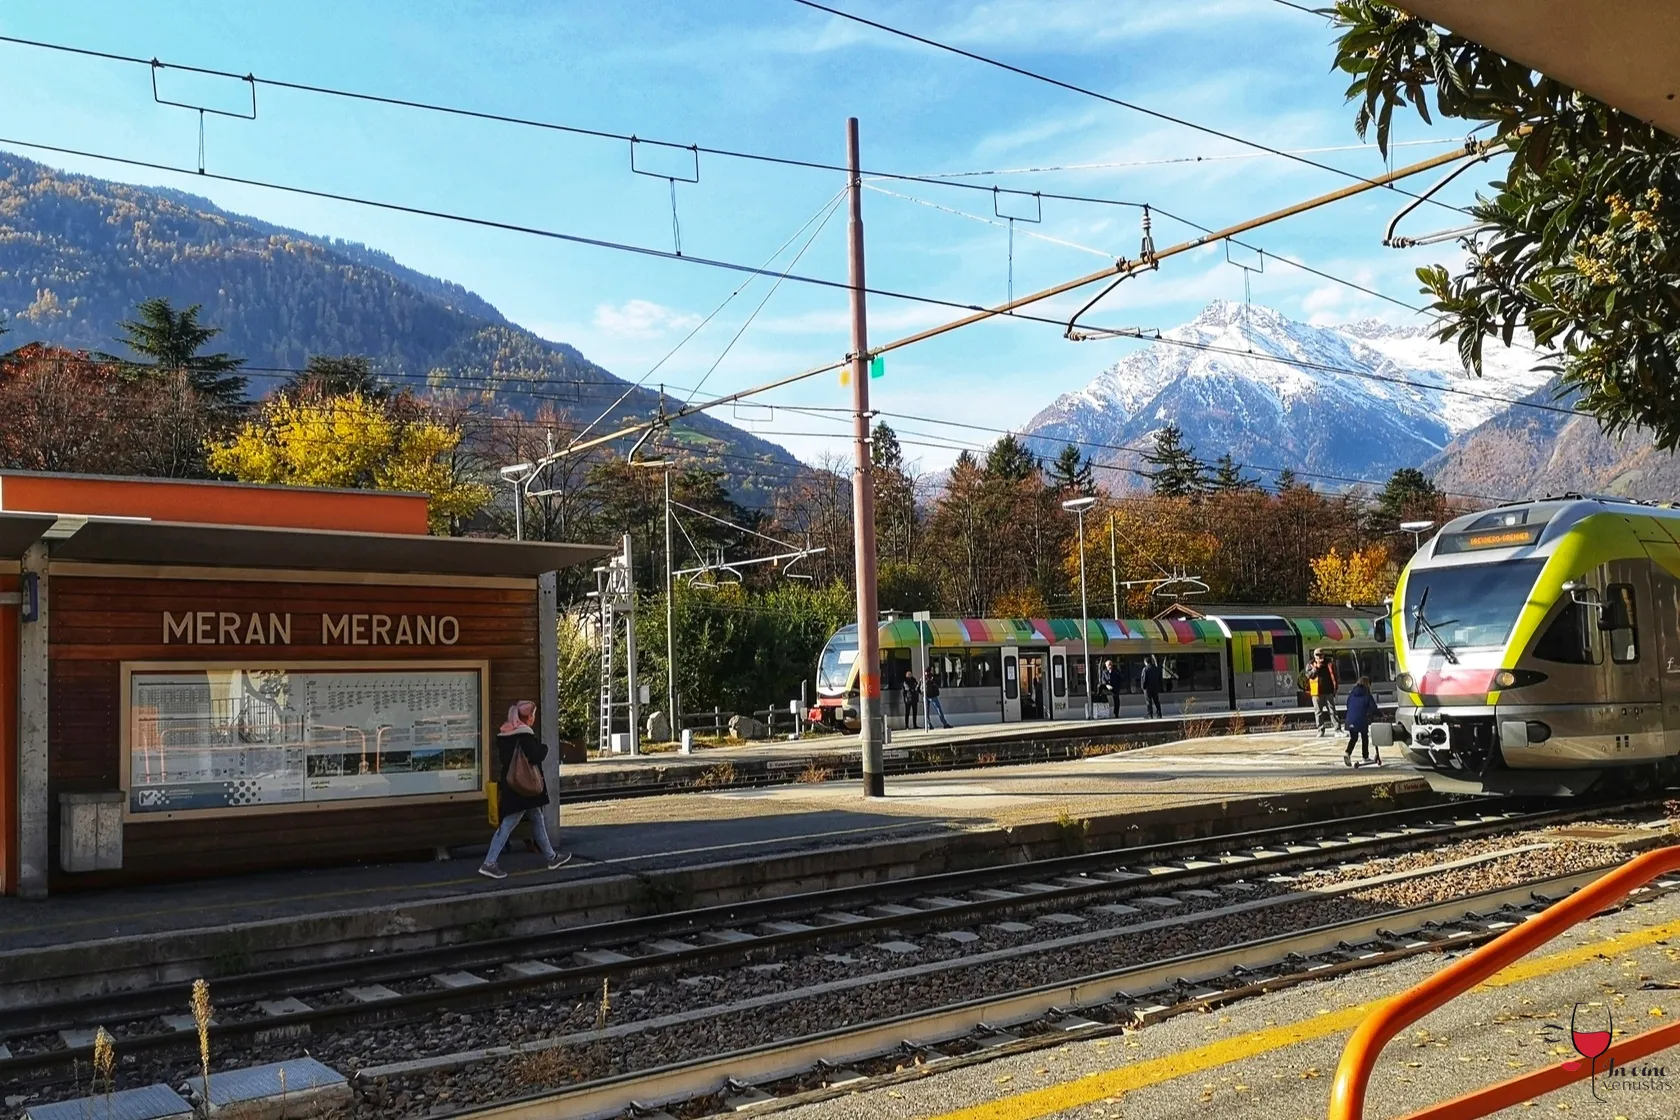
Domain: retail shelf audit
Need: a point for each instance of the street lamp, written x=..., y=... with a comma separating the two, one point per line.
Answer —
x=1416, y=529
x=1078, y=506
x=518, y=474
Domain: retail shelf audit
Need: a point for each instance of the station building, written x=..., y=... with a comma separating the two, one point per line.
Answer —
x=207, y=678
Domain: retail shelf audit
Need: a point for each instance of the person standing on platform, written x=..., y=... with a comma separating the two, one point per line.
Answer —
x=1111, y=681
x=912, y=698
x=520, y=789
x=1361, y=712
x=934, y=706
x=1321, y=683
x=1153, y=678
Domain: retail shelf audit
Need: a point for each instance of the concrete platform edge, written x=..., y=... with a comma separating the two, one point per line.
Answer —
x=58, y=972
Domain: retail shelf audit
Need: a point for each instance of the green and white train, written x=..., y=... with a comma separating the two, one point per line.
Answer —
x=1539, y=649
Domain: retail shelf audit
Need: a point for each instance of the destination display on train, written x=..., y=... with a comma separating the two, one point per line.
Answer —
x=227, y=739
x=1491, y=538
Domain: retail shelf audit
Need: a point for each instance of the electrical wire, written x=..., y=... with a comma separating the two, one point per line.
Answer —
x=1168, y=160
x=1086, y=91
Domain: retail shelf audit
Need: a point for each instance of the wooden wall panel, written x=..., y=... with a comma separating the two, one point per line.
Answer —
x=8, y=739
x=98, y=623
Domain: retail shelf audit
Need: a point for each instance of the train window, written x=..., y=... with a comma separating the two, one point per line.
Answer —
x=1011, y=687
x=1623, y=623
x=982, y=669
x=1571, y=639
x=1262, y=659
x=1375, y=663
x=1286, y=645
x=1347, y=668
x=1058, y=676
x=1076, y=676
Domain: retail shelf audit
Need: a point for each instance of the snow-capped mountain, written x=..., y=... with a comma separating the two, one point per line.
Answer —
x=1355, y=401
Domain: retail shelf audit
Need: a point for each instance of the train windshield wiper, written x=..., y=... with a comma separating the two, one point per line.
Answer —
x=1420, y=621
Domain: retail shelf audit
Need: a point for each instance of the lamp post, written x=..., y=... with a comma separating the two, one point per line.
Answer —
x=1078, y=506
x=1416, y=529
x=518, y=475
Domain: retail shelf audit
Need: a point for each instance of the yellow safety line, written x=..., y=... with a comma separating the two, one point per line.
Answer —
x=1094, y=1087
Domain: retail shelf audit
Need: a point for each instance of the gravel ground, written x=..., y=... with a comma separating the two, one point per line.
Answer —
x=541, y=1018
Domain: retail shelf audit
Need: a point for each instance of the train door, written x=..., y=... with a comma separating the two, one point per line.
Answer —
x=1664, y=631
x=1058, y=708
x=1035, y=684
x=1011, y=684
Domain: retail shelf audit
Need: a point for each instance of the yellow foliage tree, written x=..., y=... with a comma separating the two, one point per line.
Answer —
x=351, y=442
x=1362, y=576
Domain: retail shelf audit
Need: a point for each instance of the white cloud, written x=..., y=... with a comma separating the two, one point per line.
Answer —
x=641, y=318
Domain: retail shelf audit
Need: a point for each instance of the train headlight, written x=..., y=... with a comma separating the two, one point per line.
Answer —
x=1516, y=678
x=1404, y=680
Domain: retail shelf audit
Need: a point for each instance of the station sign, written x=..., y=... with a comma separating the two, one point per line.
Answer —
x=255, y=628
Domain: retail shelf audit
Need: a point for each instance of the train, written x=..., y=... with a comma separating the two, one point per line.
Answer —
x=992, y=670
x=1538, y=648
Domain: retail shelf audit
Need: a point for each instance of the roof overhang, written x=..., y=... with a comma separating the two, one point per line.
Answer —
x=20, y=530
x=1625, y=53
x=223, y=546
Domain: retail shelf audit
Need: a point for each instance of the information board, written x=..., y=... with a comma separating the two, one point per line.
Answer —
x=225, y=739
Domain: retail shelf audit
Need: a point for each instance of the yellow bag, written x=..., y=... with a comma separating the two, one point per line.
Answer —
x=493, y=802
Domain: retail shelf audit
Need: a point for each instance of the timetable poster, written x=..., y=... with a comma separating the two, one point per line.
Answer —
x=225, y=739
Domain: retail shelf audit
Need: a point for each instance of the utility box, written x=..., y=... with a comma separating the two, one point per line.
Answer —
x=621, y=743
x=90, y=831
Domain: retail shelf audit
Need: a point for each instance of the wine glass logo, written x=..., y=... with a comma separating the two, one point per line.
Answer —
x=1590, y=1044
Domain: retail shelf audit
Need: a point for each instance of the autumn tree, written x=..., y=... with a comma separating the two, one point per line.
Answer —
x=351, y=442
x=171, y=341
x=1364, y=576
x=325, y=376
x=1579, y=242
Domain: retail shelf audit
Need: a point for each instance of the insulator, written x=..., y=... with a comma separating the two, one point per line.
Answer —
x=1147, y=251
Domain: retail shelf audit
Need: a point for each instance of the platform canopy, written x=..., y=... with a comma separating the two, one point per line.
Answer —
x=1625, y=53
x=224, y=546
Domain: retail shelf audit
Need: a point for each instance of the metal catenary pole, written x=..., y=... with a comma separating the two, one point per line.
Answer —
x=872, y=730
x=670, y=620
x=1085, y=619
x=635, y=696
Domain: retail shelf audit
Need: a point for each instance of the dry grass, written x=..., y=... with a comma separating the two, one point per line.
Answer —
x=545, y=1068
x=603, y=1010
x=1237, y=725
x=1276, y=724
x=814, y=774
x=713, y=777
x=1198, y=728
x=202, y=1012
x=986, y=758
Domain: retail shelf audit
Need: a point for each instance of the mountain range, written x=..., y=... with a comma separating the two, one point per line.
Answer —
x=1338, y=404
x=78, y=253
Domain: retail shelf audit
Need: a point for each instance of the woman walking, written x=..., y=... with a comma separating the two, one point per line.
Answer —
x=521, y=790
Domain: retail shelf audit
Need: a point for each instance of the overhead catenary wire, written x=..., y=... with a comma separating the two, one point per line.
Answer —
x=1088, y=92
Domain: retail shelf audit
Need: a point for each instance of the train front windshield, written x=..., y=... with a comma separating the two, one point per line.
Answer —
x=1469, y=605
x=835, y=667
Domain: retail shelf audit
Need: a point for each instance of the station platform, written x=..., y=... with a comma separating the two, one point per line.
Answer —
x=661, y=767
x=705, y=848
x=1274, y=1057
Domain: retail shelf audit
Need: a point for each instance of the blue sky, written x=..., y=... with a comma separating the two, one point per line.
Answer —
x=766, y=76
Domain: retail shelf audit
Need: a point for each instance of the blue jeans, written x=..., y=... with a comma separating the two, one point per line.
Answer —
x=934, y=706
x=539, y=828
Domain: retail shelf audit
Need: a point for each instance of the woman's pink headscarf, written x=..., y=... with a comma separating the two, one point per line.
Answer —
x=520, y=718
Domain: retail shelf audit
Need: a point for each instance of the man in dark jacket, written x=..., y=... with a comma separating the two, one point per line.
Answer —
x=1361, y=713
x=912, y=698
x=1153, y=679
x=931, y=687
x=1321, y=685
x=1111, y=681
x=518, y=737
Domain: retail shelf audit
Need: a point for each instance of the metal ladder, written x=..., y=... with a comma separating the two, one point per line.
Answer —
x=609, y=634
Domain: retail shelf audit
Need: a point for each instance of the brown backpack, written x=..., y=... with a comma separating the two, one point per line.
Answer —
x=523, y=778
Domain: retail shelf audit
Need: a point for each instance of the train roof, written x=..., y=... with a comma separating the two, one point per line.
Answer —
x=1530, y=528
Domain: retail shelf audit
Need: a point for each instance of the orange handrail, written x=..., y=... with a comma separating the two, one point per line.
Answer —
x=1353, y=1075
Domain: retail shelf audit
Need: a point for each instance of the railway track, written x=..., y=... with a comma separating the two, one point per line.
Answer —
x=892, y=1049
x=563, y=964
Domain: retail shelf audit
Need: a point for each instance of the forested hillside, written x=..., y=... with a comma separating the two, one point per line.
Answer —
x=77, y=254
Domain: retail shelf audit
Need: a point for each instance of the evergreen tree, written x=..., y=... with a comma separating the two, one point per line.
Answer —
x=173, y=341
x=1177, y=472
x=1287, y=480
x=338, y=377
x=1071, y=472
x=884, y=450
x=1409, y=495
x=1010, y=460
x=1228, y=475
